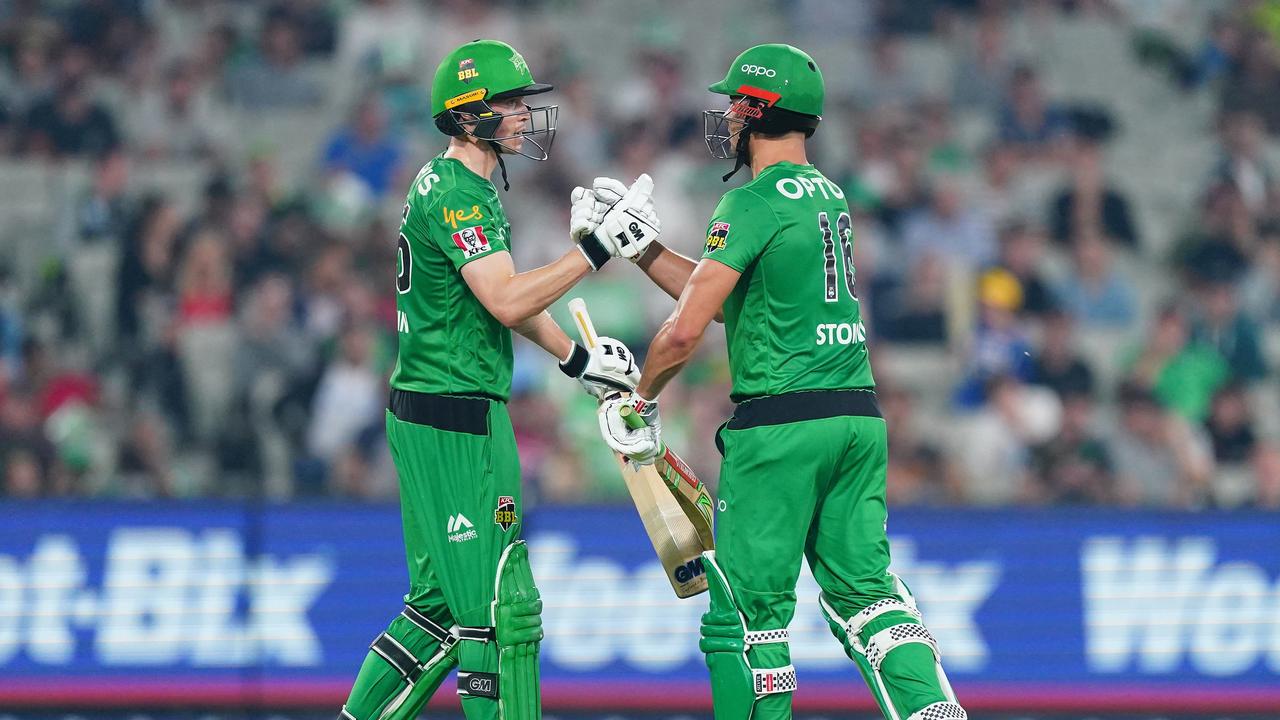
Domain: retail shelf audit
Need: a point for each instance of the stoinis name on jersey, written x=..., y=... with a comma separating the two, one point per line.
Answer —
x=471, y=241
x=716, y=236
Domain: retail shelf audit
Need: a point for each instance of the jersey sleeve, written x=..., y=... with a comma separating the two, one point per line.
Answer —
x=465, y=226
x=740, y=230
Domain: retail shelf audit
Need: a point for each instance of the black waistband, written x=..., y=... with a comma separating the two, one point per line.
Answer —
x=444, y=412
x=804, y=405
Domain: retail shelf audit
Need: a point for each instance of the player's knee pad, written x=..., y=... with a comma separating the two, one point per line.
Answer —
x=897, y=655
x=746, y=664
x=418, y=650
x=500, y=662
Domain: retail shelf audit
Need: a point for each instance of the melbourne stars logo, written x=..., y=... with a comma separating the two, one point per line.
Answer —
x=518, y=61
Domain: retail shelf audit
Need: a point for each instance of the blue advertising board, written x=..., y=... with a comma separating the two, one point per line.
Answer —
x=261, y=605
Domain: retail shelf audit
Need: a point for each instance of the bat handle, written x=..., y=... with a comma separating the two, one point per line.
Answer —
x=582, y=321
x=631, y=417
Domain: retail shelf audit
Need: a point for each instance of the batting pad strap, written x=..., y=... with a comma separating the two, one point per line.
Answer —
x=940, y=711
x=891, y=637
x=428, y=626
x=396, y=655
x=853, y=628
x=476, y=634
x=774, y=680
x=765, y=637
x=478, y=684
x=345, y=714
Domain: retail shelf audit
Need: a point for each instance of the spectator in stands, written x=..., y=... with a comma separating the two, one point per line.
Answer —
x=70, y=122
x=24, y=449
x=1001, y=347
x=1184, y=375
x=204, y=281
x=1242, y=161
x=146, y=460
x=1266, y=471
x=366, y=150
x=1021, y=252
x=891, y=82
x=1089, y=204
x=1097, y=294
x=950, y=228
x=277, y=78
x=349, y=398
x=272, y=346
x=1231, y=426
x=1074, y=467
x=11, y=328
x=182, y=122
x=914, y=309
x=103, y=211
x=1058, y=364
x=1220, y=324
x=1029, y=121
x=1223, y=237
x=1252, y=82
x=999, y=196
x=1160, y=459
x=982, y=74
x=33, y=67
x=993, y=446
x=1260, y=287
x=917, y=473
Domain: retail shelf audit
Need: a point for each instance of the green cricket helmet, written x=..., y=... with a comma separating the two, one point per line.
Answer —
x=773, y=89
x=481, y=72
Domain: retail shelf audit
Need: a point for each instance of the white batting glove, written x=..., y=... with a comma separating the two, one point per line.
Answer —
x=631, y=222
x=607, y=369
x=642, y=444
x=585, y=212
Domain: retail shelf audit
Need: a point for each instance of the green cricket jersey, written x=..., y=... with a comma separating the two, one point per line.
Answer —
x=793, y=321
x=449, y=343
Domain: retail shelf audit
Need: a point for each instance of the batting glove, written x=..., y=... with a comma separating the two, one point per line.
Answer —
x=642, y=443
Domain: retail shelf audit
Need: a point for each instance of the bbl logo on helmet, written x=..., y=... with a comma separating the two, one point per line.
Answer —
x=716, y=236
x=505, y=516
x=467, y=70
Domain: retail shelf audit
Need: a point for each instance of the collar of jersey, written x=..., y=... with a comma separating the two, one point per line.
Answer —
x=463, y=167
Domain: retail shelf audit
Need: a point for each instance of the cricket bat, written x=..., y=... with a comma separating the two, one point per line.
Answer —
x=678, y=539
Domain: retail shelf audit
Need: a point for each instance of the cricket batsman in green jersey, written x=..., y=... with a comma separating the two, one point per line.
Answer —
x=805, y=450
x=472, y=602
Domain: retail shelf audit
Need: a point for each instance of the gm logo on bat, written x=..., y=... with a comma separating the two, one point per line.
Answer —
x=689, y=570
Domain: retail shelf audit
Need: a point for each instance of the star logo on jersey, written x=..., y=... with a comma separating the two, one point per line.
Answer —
x=518, y=61
x=471, y=241
x=717, y=236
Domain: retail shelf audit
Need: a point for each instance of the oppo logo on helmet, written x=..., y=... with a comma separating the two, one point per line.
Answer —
x=757, y=70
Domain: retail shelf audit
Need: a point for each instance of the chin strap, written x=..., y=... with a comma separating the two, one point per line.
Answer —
x=741, y=156
x=497, y=149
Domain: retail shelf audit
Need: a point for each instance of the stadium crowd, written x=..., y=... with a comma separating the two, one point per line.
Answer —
x=1067, y=236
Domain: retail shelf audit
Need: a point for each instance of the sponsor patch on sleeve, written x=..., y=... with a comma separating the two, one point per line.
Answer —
x=716, y=236
x=471, y=241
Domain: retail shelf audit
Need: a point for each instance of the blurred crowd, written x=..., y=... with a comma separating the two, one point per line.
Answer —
x=1070, y=271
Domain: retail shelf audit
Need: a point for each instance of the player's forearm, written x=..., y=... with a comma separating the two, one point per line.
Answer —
x=526, y=294
x=543, y=331
x=668, y=270
x=668, y=354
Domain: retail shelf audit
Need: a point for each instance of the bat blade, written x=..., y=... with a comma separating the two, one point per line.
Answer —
x=675, y=538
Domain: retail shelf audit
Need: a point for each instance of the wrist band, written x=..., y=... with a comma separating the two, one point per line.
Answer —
x=577, y=362
x=594, y=251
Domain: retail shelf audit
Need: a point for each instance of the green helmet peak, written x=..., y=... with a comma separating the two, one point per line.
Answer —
x=782, y=75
